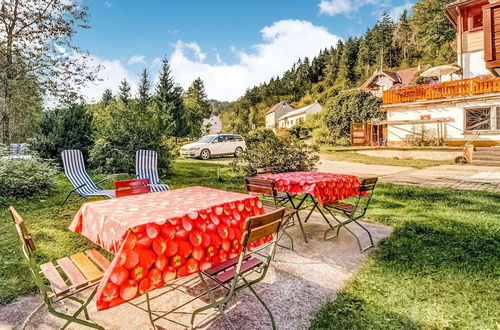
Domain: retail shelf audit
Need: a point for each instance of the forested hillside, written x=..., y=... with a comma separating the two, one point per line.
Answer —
x=424, y=37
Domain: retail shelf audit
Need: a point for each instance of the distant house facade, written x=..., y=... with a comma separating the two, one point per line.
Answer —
x=276, y=111
x=298, y=116
x=214, y=125
x=465, y=108
x=383, y=80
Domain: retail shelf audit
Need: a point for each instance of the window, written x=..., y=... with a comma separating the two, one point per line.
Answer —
x=477, y=19
x=472, y=18
x=478, y=119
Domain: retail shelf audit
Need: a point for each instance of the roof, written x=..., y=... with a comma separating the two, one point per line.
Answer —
x=274, y=107
x=298, y=111
x=403, y=77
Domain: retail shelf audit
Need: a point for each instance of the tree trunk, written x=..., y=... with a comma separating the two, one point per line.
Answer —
x=6, y=114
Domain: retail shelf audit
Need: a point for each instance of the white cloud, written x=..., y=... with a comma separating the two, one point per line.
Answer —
x=284, y=42
x=108, y=4
x=156, y=62
x=396, y=12
x=110, y=76
x=347, y=7
x=137, y=59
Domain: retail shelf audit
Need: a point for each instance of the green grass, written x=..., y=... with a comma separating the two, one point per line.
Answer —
x=347, y=156
x=439, y=269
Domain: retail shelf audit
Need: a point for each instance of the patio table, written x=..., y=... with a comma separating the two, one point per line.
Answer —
x=320, y=188
x=162, y=236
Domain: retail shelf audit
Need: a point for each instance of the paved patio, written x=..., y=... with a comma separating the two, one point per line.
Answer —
x=297, y=285
x=467, y=177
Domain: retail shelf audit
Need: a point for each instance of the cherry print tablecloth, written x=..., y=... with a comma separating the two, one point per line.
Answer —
x=162, y=236
x=325, y=187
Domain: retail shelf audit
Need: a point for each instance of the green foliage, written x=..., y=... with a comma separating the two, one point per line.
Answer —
x=283, y=154
x=124, y=91
x=25, y=177
x=168, y=100
x=197, y=108
x=299, y=132
x=123, y=129
x=350, y=107
x=64, y=128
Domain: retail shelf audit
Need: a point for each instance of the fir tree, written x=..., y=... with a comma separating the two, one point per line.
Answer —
x=168, y=99
x=124, y=91
x=107, y=96
x=144, y=90
x=197, y=107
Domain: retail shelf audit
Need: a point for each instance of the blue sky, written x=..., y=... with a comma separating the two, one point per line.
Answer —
x=231, y=45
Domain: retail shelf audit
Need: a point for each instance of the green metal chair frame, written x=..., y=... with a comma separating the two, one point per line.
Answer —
x=28, y=249
x=267, y=190
x=353, y=212
x=257, y=227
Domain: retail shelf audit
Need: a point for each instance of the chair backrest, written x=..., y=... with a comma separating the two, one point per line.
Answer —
x=256, y=186
x=368, y=184
x=132, y=187
x=74, y=168
x=22, y=231
x=263, y=225
x=146, y=165
x=264, y=170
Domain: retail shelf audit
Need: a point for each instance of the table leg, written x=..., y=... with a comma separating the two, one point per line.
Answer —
x=290, y=198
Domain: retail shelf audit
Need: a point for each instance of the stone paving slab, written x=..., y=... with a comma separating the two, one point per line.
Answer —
x=298, y=283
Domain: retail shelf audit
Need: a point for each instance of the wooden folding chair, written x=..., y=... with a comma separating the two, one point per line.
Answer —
x=62, y=280
x=233, y=274
x=132, y=187
x=267, y=190
x=353, y=212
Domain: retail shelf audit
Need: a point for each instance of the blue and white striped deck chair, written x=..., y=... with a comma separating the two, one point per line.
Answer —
x=146, y=167
x=74, y=168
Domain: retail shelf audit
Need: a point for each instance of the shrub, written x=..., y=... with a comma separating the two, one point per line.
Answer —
x=121, y=130
x=283, y=154
x=299, y=132
x=25, y=177
x=64, y=128
x=350, y=107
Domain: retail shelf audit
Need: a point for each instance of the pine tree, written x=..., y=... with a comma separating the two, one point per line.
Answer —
x=168, y=99
x=403, y=39
x=197, y=107
x=382, y=35
x=347, y=63
x=107, y=96
x=144, y=90
x=124, y=91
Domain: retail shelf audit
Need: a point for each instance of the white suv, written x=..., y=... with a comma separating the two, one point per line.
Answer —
x=214, y=145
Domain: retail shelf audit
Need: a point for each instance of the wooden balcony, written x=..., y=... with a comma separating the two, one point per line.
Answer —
x=449, y=89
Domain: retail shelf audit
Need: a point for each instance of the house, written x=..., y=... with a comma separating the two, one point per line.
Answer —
x=276, y=111
x=383, y=80
x=456, y=111
x=212, y=125
x=298, y=116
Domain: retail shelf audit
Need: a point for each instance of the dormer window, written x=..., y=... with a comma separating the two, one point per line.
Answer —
x=477, y=19
x=472, y=18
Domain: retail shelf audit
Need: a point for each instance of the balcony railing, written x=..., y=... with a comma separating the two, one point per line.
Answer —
x=449, y=89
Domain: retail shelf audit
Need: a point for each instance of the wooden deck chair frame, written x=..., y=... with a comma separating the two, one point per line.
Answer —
x=49, y=294
x=234, y=274
x=353, y=212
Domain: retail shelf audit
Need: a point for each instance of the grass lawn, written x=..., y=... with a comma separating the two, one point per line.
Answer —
x=439, y=269
x=347, y=156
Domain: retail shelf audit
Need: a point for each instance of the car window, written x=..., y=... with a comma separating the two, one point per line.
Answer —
x=221, y=138
x=205, y=139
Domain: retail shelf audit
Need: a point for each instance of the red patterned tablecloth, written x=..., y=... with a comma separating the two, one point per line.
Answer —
x=162, y=236
x=325, y=187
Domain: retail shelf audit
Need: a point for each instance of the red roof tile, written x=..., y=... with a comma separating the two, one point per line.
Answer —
x=407, y=75
x=274, y=107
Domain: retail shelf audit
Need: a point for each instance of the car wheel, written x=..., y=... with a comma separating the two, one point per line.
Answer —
x=238, y=152
x=205, y=154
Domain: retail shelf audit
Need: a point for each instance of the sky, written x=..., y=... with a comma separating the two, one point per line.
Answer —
x=230, y=44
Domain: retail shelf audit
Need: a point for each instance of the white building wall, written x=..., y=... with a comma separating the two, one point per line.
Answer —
x=474, y=65
x=453, y=131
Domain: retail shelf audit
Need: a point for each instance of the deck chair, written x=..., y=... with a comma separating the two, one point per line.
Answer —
x=74, y=168
x=353, y=212
x=146, y=167
x=62, y=280
x=132, y=187
x=267, y=190
x=234, y=274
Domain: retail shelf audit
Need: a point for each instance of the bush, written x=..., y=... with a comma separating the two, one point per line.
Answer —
x=350, y=107
x=283, y=154
x=25, y=177
x=299, y=132
x=121, y=130
x=62, y=129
